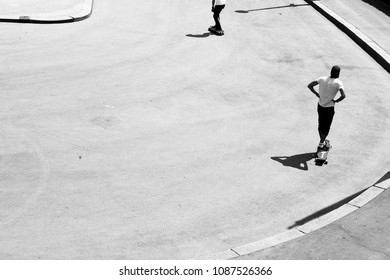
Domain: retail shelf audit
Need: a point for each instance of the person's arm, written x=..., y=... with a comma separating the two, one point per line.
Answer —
x=311, y=87
x=212, y=5
x=342, y=96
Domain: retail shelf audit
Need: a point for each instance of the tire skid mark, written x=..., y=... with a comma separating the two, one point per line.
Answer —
x=39, y=190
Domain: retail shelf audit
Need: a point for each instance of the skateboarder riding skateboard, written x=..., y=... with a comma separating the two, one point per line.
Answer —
x=328, y=89
x=217, y=7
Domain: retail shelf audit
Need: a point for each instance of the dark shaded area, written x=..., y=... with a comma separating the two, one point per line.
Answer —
x=355, y=37
x=381, y=5
x=26, y=20
x=295, y=161
x=204, y=35
x=270, y=8
x=326, y=210
x=384, y=178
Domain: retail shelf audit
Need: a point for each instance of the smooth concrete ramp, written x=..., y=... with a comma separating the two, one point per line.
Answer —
x=45, y=12
x=137, y=135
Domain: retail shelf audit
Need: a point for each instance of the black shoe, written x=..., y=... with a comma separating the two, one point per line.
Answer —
x=219, y=32
x=320, y=148
x=327, y=145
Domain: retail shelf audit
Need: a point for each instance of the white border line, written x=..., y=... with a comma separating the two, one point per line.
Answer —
x=300, y=231
x=55, y=17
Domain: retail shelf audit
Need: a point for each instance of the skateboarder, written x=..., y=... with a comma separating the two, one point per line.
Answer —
x=328, y=88
x=217, y=7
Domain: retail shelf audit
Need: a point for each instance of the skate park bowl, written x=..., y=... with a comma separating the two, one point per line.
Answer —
x=135, y=134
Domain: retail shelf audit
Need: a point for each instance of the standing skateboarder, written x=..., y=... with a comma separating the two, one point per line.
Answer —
x=328, y=88
x=217, y=7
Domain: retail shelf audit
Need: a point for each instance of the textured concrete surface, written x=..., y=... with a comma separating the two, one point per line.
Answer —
x=362, y=235
x=369, y=16
x=40, y=11
x=37, y=6
x=124, y=137
x=368, y=44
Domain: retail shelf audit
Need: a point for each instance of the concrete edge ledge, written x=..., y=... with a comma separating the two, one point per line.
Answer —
x=301, y=231
x=383, y=185
x=367, y=44
x=52, y=18
x=327, y=219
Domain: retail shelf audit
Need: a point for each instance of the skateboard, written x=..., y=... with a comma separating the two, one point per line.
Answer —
x=321, y=157
x=216, y=32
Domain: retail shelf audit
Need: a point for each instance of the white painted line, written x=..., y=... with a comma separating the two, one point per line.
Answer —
x=50, y=17
x=76, y=13
x=348, y=25
x=222, y=255
x=371, y=47
x=327, y=219
x=85, y=11
x=366, y=196
x=384, y=184
x=301, y=231
x=268, y=242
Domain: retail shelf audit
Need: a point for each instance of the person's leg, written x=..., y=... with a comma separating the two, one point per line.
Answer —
x=325, y=118
x=320, y=126
x=216, y=16
x=322, y=138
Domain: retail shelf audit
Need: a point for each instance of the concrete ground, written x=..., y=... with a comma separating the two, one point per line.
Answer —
x=29, y=7
x=45, y=12
x=361, y=235
x=126, y=137
x=369, y=16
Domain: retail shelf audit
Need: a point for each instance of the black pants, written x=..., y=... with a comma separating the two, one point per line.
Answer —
x=325, y=118
x=217, y=10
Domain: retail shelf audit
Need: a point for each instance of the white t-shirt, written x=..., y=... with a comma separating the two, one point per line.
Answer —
x=220, y=2
x=329, y=87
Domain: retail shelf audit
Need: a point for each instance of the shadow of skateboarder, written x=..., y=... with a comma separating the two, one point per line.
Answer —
x=271, y=8
x=295, y=161
x=204, y=35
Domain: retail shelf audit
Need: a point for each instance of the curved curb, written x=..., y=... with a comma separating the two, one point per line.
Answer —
x=383, y=58
x=300, y=231
x=366, y=43
x=55, y=17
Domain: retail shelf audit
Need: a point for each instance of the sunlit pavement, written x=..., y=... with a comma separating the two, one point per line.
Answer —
x=126, y=137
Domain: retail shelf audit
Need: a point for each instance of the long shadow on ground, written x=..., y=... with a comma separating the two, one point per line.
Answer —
x=384, y=178
x=271, y=8
x=296, y=161
x=334, y=206
x=381, y=5
x=326, y=210
x=204, y=35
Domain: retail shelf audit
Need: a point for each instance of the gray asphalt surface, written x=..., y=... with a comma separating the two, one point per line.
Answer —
x=126, y=137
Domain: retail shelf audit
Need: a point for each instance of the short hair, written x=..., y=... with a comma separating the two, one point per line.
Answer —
x=335, y=71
